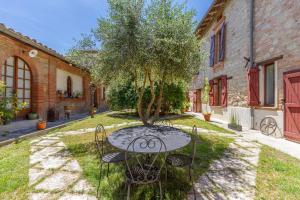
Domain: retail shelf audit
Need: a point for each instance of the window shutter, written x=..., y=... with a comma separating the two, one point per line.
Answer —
x=211, y=93
x=224, y=91
x=253, y=86
x=222, y=43
x=212, y=51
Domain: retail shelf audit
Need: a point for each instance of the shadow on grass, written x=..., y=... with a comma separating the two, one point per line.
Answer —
x=177, y=185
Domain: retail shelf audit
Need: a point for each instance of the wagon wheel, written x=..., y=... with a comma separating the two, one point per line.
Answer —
x=268, y=125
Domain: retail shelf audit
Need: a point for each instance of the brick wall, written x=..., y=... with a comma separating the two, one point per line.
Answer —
x=277, y=25
x=43, y=77
x=236, y=15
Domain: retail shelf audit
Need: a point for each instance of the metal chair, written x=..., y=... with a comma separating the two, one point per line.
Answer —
x=144, y=168
x=183, y=160
x=106, y=155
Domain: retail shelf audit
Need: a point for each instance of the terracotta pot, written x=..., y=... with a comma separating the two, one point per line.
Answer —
x=41, y=125
x=207, y=117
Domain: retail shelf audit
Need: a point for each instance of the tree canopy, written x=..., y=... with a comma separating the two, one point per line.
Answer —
x=153, y=43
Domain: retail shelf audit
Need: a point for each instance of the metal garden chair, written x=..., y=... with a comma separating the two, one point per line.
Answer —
x=144, y=168
x=183, y=160
x=105, y=153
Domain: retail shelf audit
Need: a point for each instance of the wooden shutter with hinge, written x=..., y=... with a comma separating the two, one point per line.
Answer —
x=224, y=91
x=253, y=86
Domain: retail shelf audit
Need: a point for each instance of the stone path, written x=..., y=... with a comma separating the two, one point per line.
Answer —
x=54, y=174
x=231, y=177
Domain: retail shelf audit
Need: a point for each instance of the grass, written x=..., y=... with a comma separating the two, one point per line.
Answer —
x=104, y=118
x=14, y=165
x=278, y=175
x=189, y=120
x=82, y=147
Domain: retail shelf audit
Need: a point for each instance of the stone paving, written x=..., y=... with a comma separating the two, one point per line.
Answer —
x=54, y=174
x=233, y=176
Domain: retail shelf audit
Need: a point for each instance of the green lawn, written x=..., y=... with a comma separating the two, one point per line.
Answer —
x=189, y=120
x=278, y=176
x=14, y=165
x=82, y=147
x=104, y=118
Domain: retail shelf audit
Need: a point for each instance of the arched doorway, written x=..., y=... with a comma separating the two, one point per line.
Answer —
x=17, y=77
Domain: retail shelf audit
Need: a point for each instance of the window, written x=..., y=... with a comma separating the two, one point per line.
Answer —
x=17, y=78
x=218, y=91
x=69, y=86
x=217, y=44
x=269, y=84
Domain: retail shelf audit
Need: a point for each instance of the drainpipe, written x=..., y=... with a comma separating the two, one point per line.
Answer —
x=251, y=38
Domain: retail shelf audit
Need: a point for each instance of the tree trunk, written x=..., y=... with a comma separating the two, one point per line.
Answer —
x=159, y=101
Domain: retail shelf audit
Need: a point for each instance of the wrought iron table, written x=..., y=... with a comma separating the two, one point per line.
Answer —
x=173, y=138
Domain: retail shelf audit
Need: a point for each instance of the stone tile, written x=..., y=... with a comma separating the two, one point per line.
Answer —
x=52, y=162
x=58, y=181
x=72, y=166
x=36, y=174
x=36, y=148
x=82, y=186
x=40, y=196
x=59, y=144
x=69, y=196
x=46, y=142
x=50, y=138
x=203, y=183
x=43, y=154
x=35, y=141
x=233, y=163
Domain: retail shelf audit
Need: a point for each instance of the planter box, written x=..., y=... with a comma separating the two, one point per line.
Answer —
x=235, y=127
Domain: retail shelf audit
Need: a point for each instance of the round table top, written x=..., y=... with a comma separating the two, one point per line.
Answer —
x=173, y=139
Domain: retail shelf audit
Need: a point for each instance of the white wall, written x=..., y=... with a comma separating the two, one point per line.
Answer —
x=61, y=81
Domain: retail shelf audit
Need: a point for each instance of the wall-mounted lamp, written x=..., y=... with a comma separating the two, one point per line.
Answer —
x=32, y=53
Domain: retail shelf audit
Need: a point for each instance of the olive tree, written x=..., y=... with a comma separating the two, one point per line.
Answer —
x=153, y=43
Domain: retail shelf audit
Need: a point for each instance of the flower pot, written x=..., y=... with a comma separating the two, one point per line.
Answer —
x=41, y=125
x=207, y=117
x=32, y=116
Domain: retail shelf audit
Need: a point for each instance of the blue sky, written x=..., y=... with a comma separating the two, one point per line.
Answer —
x=56, y=23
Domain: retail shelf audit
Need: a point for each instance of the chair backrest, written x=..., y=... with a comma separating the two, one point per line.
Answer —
x=100, y=139
x=195, y=140
x=147, y=164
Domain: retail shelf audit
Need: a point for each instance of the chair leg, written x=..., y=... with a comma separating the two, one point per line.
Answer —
x=190, y=173
x=166, y=173
x=160, y=190
x=128, y=191
x=100, y=176
x=191, y=179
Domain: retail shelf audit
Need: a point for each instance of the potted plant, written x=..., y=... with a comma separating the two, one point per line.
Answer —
x=93, y=112
x=235, y=123
x=205, y=99
x=32, y=116
x=41, y=125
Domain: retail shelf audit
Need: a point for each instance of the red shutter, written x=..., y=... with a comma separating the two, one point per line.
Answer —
x=253, y=86
x=211, y=93
x=224, y=91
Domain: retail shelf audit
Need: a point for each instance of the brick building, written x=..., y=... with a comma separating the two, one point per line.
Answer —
x=46, y=80
x=252, y=62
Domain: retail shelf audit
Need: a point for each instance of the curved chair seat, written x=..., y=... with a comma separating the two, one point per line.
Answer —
x=179, y=160
x=142, y=175
x=113, y=157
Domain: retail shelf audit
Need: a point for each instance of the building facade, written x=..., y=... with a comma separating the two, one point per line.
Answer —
x=233, y=34
x=43, y=81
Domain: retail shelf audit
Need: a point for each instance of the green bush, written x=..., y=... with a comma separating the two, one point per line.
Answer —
x=124, y=96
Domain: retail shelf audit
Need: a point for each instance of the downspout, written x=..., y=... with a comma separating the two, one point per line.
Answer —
x=251, y=39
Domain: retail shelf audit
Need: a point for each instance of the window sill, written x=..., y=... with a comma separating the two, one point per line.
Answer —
x=267, y=108
x=218, y=66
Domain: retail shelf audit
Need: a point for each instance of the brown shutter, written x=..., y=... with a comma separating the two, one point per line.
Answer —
x=253, y=86
x=222, y=43
x=224, y=91
x=211, y=93
x=212, y=51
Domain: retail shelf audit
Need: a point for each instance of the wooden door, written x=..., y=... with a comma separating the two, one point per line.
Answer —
x=292, y=105
x=198, y=101
x=194, y=101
